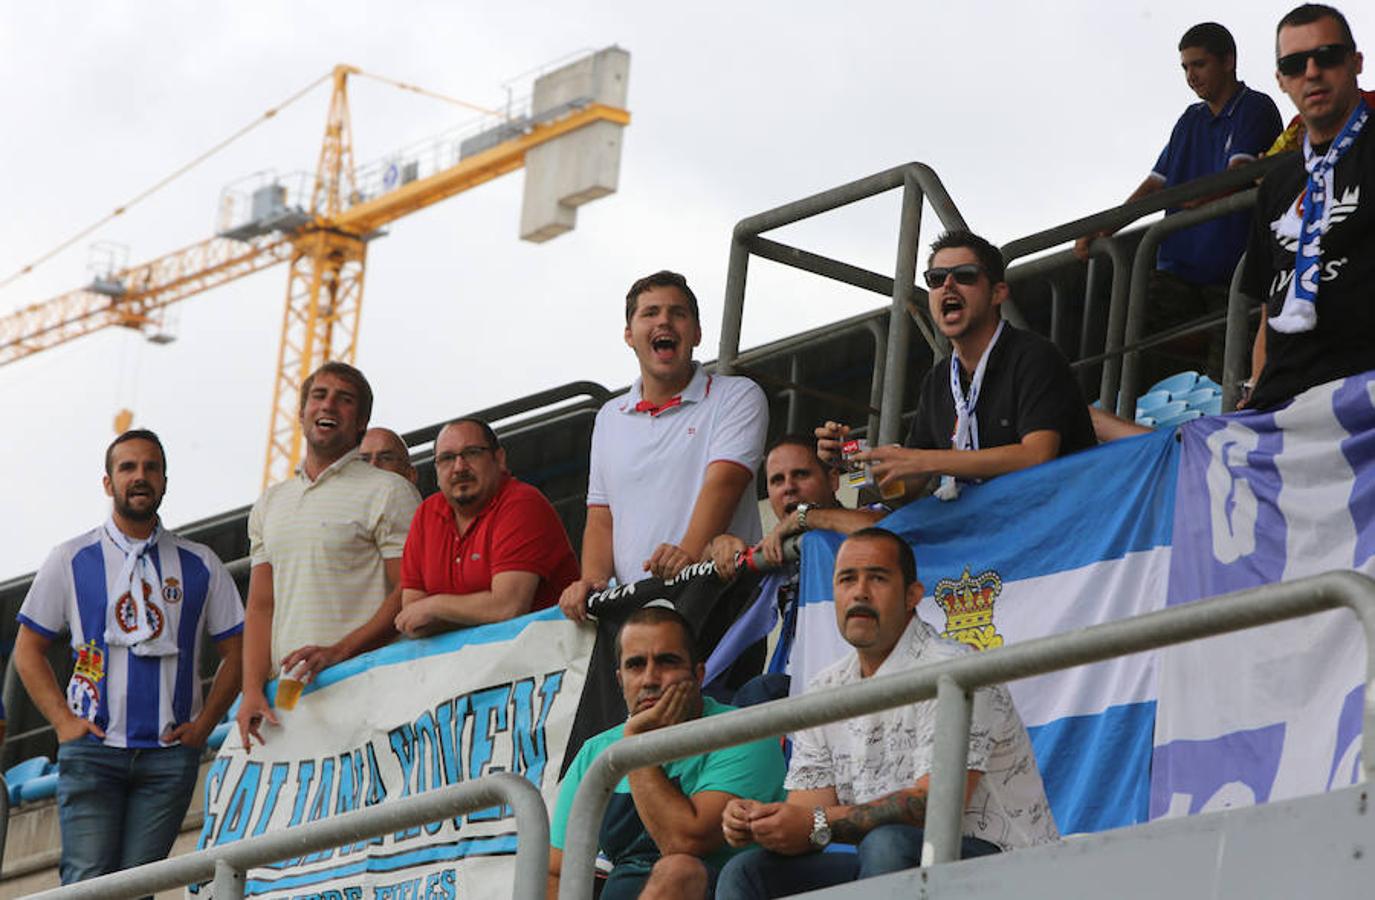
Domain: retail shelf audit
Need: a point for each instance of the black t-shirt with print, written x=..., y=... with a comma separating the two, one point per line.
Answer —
x=1028, y=386
x=1343, y=342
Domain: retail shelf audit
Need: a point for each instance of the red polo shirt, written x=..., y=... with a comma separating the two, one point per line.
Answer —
x=517, y=532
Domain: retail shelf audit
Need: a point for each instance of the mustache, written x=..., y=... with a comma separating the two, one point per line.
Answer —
x=861, y=609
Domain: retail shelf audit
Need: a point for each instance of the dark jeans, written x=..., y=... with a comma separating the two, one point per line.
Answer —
x=759, y=874
x=119, y=807
x=1172, y=301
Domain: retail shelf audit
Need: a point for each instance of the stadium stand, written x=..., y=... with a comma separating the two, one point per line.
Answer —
x=838, y=371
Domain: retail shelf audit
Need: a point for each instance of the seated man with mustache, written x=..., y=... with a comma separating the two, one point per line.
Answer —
x=662, y=828
x=864, y=781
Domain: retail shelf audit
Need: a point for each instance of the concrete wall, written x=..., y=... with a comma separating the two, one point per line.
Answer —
x=34, y=845
x=583, y=165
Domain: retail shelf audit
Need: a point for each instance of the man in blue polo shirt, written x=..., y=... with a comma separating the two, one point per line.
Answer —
x=1231, y=126
x=131, y=723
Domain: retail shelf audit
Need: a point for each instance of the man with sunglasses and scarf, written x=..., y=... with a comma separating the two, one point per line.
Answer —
x=1005, y=400
x=1312, y=250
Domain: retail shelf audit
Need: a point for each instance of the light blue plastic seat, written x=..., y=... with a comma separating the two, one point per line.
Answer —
x=44, y=787
x=1205, y=381
x=1187, y=415
x=1147, y=403
x=216, y=739
x=1179, y=383
x=1168, y=410
x=20, y=773
x=1148, y=421
x=1199, y=396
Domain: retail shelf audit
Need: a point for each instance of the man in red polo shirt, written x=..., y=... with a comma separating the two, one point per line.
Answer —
x=486, y=547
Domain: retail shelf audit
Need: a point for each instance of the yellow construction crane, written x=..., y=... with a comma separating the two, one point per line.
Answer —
x=326, y=241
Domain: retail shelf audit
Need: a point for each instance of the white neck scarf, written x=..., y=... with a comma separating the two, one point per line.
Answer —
x=146, y=633
x=966, y=436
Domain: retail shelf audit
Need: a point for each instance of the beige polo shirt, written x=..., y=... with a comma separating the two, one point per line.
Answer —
x=326, y=541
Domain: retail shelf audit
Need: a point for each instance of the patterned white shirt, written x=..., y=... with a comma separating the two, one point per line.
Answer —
x=871, y=756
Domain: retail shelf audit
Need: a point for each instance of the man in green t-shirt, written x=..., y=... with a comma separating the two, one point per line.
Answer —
x=676, y=805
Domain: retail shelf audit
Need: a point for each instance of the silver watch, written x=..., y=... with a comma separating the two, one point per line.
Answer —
x=802, y=510
x=821, y=829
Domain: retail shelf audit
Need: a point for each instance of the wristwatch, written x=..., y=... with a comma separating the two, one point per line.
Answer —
x=821, y=829
x=802, y=510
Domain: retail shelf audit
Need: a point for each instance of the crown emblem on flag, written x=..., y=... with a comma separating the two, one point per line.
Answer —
x=90, y=662
x=968, y=604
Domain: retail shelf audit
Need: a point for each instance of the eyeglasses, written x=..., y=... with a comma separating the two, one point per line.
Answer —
x=1326, y=56
x=965, y=274
x=469, y=455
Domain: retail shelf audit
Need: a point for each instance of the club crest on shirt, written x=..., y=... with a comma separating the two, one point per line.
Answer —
x=171, y=590
x=126, y=612
x=968, y=604
x=83, y=691
x=1286, y=228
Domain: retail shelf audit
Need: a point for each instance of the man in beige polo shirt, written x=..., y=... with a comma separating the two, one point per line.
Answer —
x=325, y=546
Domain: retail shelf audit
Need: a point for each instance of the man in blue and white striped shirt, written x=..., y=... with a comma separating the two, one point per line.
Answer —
x=131, y=726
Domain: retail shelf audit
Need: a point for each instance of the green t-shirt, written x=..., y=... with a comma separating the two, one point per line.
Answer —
x=754, y=771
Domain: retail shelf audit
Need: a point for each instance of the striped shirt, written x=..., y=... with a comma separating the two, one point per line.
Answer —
x=327, y=541
x=135, y=699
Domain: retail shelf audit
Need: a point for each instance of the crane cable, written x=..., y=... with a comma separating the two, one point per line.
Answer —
x=122, y=208
x=428, y=93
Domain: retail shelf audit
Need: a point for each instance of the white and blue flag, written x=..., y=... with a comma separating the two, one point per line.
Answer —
x=1271, y=713
x=1075, y=542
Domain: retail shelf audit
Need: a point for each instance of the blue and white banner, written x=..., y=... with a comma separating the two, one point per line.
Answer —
x=402, y=720
x=1076, y=542
x=1270, y=713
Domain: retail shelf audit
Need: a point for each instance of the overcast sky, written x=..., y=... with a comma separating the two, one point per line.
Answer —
x=1032, y=114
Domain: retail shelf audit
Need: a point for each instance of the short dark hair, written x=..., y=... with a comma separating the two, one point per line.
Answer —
x=794, y=439
x=657, y=615
x=1212, y=37
x=661, y=279
x=989, y=256
x=488, y=434
x=346, y=372
x=134, y=434
x=907, y=560
x=1309, y=13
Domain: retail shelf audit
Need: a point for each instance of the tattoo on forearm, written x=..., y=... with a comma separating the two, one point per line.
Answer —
x=897, y=809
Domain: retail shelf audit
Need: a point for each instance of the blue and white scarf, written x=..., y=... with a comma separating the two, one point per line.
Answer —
x=966, y=436
x=1300, y=312
x=138, y=579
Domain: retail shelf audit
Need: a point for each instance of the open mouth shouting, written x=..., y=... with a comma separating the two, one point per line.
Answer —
x=664, y=346
x=951, y=308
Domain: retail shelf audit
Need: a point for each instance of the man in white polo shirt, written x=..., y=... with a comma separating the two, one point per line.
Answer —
x=325, y=547
x=673, y=461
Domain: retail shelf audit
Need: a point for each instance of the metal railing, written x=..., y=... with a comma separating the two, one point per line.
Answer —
x=226, y=865
x=920, y=185
x=950, y=684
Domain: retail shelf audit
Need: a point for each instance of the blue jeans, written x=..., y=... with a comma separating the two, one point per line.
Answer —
x=758, y=874
x=120, y=807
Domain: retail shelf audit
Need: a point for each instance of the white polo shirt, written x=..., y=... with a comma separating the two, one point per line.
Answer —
x=648, y=469
x=326, y=541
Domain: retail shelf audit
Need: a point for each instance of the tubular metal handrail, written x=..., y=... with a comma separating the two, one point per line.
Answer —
x=1142, y=267
x=227, y=864
x=920, y=185
x=951, y=683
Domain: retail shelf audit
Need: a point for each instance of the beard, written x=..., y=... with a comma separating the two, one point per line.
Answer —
x=127, y=510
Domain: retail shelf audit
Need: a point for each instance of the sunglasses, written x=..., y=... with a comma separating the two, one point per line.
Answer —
x=1326, y=56
x=965, y=274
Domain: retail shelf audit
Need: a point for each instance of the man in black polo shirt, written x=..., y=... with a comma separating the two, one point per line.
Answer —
x=1318, y=209
x=1005, y=400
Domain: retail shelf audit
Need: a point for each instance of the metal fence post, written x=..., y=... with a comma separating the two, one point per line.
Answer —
x=733, y=308
x=1117, y=317
x=1235, y=348
x=228, y=883
x=949, y=759
x=904, y=277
